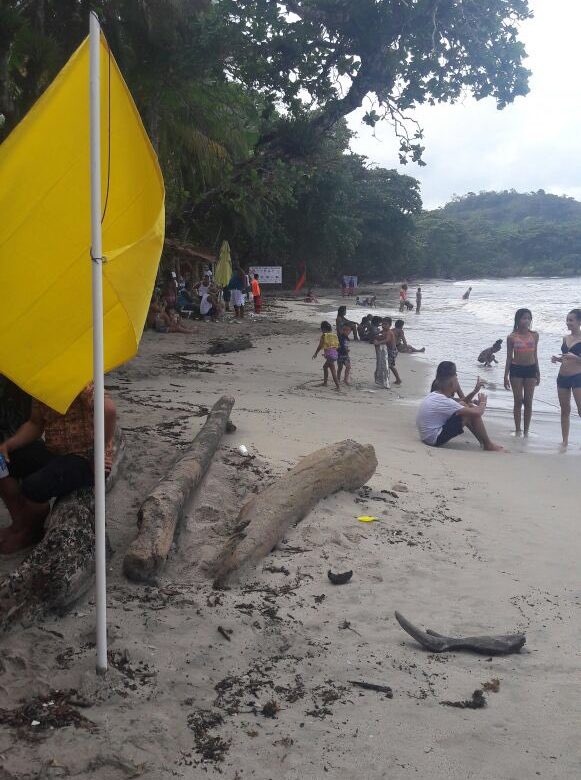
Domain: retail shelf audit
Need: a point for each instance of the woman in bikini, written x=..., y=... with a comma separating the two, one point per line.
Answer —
x=521, y=371
x=569, y=379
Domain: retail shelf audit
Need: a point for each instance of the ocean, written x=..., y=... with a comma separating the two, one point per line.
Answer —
x=453, y=329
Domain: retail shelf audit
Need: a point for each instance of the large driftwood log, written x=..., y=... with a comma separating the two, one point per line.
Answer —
x=501, y=644
x=223, y=345
x=162, y=509
x=264, y=520
x=61, y=568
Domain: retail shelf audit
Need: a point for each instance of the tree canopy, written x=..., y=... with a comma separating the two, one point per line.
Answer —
x=500, y=234
x=245, y=102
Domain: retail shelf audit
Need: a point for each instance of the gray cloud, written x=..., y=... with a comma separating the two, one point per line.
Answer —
x=533, y=144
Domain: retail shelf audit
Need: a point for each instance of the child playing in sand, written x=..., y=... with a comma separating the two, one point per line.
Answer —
x=343, y=360
x=487, y=355
x=329, y=343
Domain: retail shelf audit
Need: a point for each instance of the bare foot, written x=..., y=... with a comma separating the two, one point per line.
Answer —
x=20, y=539
x=337, y=388
x=423, y=349
x=397, y=383
x=345, y=382
x=322, y=384
x=494, y=448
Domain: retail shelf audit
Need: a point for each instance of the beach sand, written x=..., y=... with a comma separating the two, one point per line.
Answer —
x=465, y=543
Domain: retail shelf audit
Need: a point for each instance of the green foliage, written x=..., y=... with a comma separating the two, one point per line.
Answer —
x=245, y=100
x=500, y=234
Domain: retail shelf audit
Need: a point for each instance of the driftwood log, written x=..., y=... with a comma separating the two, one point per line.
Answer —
x=502, y=644
x=161, y=511
x=264, y=520
x=222, y=346
x=61, y=568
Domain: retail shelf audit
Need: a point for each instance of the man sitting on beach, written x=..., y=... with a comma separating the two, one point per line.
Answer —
x=39, y=470
x=441, y=418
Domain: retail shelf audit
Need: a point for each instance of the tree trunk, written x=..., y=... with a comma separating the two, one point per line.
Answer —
x=162, y=509
x=61, y=568
x=264, y=520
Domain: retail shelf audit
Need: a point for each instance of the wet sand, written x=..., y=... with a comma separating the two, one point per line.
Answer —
x=465, y=542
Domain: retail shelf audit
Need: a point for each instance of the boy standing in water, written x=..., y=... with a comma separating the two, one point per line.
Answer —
x=418, y=300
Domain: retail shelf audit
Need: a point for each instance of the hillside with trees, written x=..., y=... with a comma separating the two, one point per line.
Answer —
x=245, y=103
x=499, y=234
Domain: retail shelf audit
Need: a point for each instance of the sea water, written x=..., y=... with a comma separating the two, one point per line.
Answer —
x=453, y=329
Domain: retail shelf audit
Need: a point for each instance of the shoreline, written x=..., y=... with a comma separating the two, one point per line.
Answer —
x=466, y=543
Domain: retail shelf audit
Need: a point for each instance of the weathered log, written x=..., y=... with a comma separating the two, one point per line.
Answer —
x=161, y=511
x=61, y=568
x=502, y=644
x=264, y=520
x=221, y=346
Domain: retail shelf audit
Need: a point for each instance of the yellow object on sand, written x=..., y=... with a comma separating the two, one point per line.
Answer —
x=367, y=519
x=45, y=233
x=223, y=270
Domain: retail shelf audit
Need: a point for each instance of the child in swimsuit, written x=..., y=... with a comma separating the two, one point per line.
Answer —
x=569, y=379
x=329, y=344
x=521, y=371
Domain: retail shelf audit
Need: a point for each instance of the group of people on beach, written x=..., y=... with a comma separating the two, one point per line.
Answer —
x=446, y=410
x=388, y=341
x=179, y=299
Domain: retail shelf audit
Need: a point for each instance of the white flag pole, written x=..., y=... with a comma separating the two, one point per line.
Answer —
x=98, y=377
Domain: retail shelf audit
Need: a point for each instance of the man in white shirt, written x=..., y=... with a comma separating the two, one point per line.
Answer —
x=441, y=418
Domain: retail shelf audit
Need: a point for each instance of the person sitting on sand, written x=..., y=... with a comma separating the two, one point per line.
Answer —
x=342, y=320
x=400, y=339
x=329, y=343
x=487, y=355
x=441, y=418
x=40, y=469
x=311, y=297
x=343, y=359
x=169, y=321
x=209, y=306
x=364, y=327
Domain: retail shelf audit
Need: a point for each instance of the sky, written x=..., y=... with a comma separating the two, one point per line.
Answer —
x=535, y=143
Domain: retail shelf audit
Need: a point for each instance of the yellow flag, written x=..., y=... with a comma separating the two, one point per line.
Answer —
x=45, y=233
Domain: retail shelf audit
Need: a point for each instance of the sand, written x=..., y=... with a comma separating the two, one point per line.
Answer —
x=465, y=542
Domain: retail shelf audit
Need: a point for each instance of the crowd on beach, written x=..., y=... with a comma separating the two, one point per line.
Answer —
x=447, y=410
x=182, y=298
x=45, y=455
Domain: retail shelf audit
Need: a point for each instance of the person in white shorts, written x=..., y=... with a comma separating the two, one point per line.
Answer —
x=441, y=418
x=236, y=285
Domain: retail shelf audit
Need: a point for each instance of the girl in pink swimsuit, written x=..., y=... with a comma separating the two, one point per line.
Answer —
x=521, y=371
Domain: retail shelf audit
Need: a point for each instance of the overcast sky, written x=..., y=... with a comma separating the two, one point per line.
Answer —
x=535, y=143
